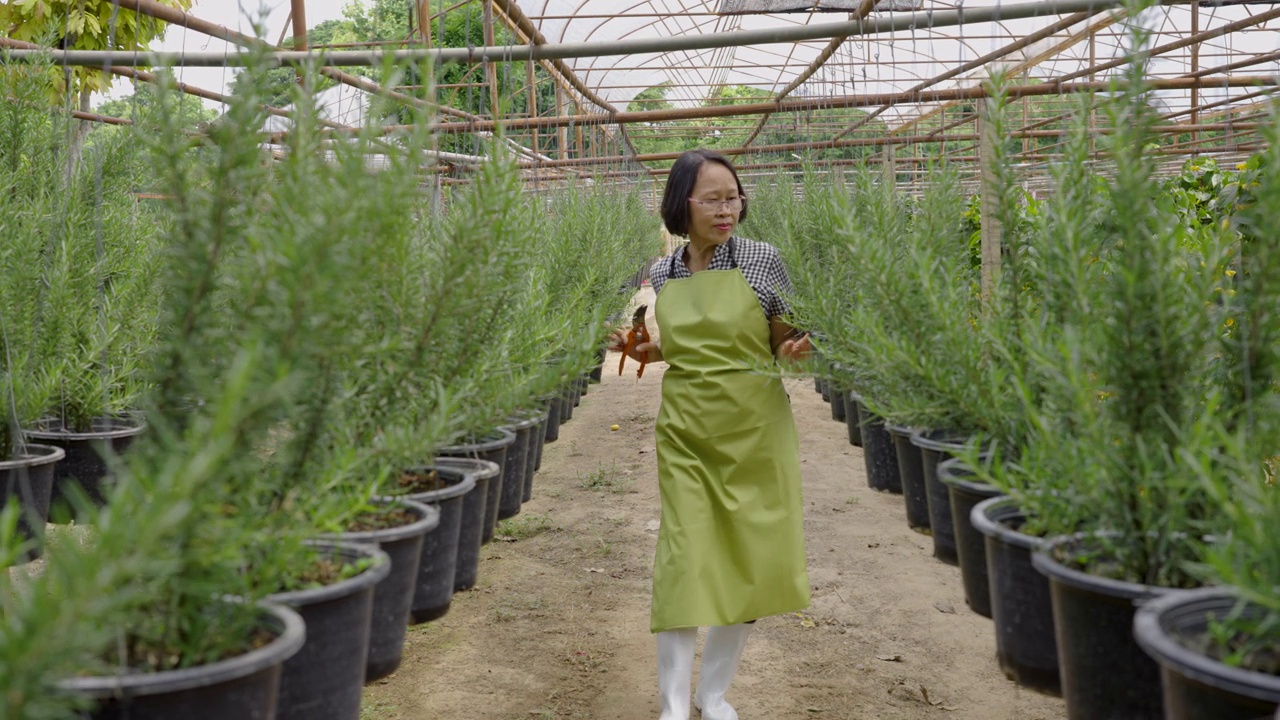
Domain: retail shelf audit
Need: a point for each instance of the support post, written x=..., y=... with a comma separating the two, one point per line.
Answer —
x=299, y=14
x=490, y=67
x=991, y=230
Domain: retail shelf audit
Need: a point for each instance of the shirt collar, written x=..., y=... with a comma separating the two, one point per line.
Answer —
x=719, y=257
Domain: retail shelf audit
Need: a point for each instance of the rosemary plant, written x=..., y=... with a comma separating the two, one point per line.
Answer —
x=1114, y=356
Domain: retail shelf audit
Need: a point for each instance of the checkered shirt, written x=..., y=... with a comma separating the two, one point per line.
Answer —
x=760, y=264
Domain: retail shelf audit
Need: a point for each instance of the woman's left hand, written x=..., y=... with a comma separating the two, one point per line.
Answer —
x=795, y=350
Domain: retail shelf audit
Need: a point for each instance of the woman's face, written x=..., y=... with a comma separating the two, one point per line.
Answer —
x=714, y=205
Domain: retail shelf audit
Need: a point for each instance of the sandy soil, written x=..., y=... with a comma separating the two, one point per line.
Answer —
x=558, y=626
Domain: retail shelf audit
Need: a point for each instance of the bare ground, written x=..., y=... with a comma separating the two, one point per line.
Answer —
x=558, y=626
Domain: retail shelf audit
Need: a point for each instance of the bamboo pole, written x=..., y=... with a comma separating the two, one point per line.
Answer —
x=989, y=197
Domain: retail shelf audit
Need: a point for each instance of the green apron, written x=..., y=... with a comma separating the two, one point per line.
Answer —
x=731, y=542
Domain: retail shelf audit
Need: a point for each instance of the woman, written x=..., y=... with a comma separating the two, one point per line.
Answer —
x=731, y=543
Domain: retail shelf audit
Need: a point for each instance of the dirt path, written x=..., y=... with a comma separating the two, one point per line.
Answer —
x=558, y=626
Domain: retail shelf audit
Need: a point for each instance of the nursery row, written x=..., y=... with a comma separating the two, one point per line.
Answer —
x=1108, y=401
x=236, y=394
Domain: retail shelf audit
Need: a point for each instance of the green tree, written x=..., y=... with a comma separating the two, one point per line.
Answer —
x=142, y=105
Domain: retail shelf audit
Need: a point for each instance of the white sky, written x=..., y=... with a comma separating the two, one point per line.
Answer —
x=239, y=15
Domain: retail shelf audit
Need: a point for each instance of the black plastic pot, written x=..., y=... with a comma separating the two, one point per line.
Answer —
x=878, y=452
x=934, y=448
x=29, y=480
x=817, y=384
x=471, y=536
x=554, y=421
x=584, y=383
x=910, y=477
x=548, y=420
x=454, y=543
x=493, y=448
x=851, y=419
x=971, y=546
x=1105, y=675
x=393, y=596
x=244, y=687
x=1020, y=604
x=1197, y=687
x=824, y=387
x=839, y=398
x=515, y=467
x=597, y=372
x=85, y=462
x=533, y=454
x=324, y=681
x=568, y=401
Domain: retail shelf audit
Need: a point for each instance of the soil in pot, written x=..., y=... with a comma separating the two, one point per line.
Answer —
x=515, y=466
x=399, y=529
x=1020, y=602
x=29, y=481
x=1175, y=631
x=325, y=680
x=971, y=546
x=494, y=449
x=85, y=463
x=482, y=472
x=456, y=540
x=934, y=448
x=1105, y=675
x=244, y=687
x=851, y=419
x=878, y=453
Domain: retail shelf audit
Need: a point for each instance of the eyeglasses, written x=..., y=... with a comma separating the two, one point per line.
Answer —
x=732, y=204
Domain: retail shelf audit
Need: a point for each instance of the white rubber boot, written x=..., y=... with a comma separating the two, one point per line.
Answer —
x=675, y=671
x=720, y=656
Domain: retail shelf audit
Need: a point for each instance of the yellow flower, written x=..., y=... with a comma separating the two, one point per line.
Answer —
x=1230, y=322
x=1103, y=395
x=1240, y=166
x=1231, y=273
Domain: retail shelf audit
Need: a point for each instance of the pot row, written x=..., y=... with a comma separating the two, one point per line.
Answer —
x=328, y=642
x=1113, y=650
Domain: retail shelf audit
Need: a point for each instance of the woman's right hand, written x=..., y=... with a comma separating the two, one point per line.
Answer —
x=646, y=351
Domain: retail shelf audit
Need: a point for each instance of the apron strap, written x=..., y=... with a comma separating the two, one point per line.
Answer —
x=733, y=257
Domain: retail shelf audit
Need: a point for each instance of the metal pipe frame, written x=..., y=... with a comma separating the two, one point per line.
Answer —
x=517, y=53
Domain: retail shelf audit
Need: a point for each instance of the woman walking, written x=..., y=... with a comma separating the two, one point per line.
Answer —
x=731, y=543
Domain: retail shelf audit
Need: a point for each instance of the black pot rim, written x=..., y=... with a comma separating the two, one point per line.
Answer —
x=1153, y=630
x=1044, y=561
x=371, y=576
x=47, y=454
x=138, y=426
x=428, y=520
x=906, y=431
x=981, y=519
x=507, y=437
x=517, y=425
x=464, y=485
x=940, y=440
x=482, y=469
x=285, y=645
x=955, y=473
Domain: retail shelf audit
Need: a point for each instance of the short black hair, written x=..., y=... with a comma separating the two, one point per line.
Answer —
x=680, y=182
